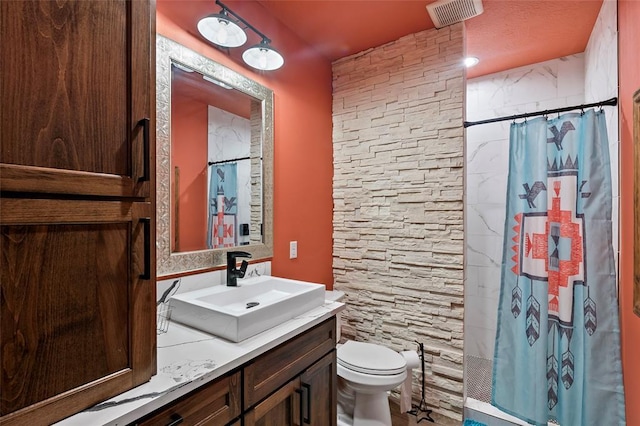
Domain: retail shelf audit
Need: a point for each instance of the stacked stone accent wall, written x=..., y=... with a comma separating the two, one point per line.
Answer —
x=398, y=203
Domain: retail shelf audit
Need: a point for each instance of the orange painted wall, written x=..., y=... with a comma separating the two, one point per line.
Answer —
x=189, y=137
x=629, y=65
x=303, y=152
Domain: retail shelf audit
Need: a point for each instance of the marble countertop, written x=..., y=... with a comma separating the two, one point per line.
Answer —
x=187, y=359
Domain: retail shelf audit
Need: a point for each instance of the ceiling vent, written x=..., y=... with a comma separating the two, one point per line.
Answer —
x=448, y=12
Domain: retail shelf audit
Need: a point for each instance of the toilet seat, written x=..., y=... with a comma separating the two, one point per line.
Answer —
x=371, y=359
x=368, y=372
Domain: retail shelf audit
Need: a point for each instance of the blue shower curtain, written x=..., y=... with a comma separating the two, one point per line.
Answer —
x=557, y=351
x=223, y=205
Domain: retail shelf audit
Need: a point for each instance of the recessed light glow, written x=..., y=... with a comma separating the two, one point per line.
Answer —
x=471, y=61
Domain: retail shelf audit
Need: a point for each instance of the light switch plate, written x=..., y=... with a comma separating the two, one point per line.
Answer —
x=293, y=249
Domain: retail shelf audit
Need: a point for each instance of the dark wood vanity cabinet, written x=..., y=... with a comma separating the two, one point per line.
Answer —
x=319, y=383
x=308, y=399
x=295, y=383
x=77, y=264
x=292, y=384
x=216, y=403
x=283, y=407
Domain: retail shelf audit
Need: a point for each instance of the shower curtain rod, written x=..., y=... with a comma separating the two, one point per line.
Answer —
x=211, y=163
x=608, y=102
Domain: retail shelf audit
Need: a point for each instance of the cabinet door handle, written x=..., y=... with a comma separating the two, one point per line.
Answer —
x=145, y=123
x=176, y=419
x=306, y=389
x=146, y=273
x=301, y=420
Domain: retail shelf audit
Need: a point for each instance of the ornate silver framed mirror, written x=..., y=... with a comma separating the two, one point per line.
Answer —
x=214, y=178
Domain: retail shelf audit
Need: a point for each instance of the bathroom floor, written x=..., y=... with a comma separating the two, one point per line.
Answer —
x=399, y=419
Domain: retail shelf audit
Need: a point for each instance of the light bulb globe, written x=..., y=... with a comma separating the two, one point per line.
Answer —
x=220, y=30
x=263, y=57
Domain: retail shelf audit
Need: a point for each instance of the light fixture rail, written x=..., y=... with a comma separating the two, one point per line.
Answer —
x=241, y=19
x=222, y=29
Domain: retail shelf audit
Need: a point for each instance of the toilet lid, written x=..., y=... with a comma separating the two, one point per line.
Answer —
x=369, y=358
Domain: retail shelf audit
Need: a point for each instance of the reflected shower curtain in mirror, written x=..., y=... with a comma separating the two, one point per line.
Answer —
x=223, y=205
x=557, y=351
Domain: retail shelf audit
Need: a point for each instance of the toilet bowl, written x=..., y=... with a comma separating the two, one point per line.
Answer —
x=366, y=372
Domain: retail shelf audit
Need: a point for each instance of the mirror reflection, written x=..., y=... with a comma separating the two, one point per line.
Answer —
x=204, y=210
x=216, y=159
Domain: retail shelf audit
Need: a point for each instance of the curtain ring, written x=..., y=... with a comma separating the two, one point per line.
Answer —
x=581, y=111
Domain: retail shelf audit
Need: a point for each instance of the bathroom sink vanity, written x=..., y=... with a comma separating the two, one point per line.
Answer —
x=236, y=313
x=293, y=384
x=285, y=375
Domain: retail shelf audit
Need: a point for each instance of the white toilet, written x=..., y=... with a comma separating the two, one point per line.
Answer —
x=366, y=372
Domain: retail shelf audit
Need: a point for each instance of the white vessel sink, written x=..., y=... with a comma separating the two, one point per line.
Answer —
x=256, y=305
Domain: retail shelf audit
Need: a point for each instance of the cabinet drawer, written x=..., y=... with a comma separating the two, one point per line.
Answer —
x=276, y=367
x=214, y=404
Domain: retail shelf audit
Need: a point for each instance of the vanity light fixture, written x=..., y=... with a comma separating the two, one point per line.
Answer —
x=263, y=57
x=223, y=31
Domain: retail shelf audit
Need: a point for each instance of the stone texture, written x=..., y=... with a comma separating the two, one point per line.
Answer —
x=398, y=203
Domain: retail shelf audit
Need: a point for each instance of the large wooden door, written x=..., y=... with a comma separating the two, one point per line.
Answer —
x=77, y=284
x=74, y=90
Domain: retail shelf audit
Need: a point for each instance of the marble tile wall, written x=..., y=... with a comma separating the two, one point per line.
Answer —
x=601, y=82
x=229, y=138
x=551, y=84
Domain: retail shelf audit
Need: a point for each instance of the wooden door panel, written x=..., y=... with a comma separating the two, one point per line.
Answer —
x=67, y=83
x=75, y=85
x=319, y=394
x=214, y=404
x=69, y=283
x=274, y=368
x=64, y=308
x=282, y=408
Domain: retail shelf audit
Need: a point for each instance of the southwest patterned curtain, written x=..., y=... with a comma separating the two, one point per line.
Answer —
x=223, y=205
x=557, y=352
